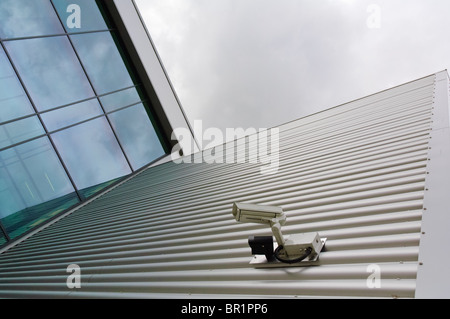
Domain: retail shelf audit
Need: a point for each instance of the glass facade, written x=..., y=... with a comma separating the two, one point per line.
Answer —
x=73, y=116
x=52, y=75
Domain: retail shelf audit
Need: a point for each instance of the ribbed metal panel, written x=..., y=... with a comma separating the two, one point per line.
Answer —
x=354, y=173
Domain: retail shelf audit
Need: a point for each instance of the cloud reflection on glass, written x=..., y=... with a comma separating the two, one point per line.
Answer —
x=137, y=135
x=50, y=70
x=91, y=153
x=119, y=99
x=72, y=114
x=23, y=18
x=19, y=131
x=103, y=63
x=90, y=16
x=13, y=101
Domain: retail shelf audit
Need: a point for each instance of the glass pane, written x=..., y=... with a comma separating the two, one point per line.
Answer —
x=137, y=135
x=2, y=238
x=103, y=63
x=92, y=190
x=54, y=76
x=33, y=186
x=19, y=131
x=23, y=18
x=69, y=115
x=13, y=101
x=91, y=153
x=80, y=15
x=119, y=99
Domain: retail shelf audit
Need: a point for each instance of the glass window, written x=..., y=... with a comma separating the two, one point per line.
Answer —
x=23, y=18
x=13, y=100
x=80, y=15
x=137, y=135
x=33, y=186
x=19, y=131
x=119, y=99
x=2, y=238
x=50, y=71
x=91, y=153
x=69, y=115
x=103, y=63
x=89, y=191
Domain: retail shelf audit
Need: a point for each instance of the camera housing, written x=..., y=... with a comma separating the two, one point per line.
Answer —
x=261, y=214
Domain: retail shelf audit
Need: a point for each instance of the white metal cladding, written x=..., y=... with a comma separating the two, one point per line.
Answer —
x=354, y=173
x=433, y=278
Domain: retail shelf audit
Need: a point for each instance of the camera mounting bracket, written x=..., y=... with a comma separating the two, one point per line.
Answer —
x=260, y=261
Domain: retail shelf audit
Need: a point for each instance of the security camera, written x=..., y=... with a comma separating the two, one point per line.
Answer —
x=261, y=214
x=291, y=250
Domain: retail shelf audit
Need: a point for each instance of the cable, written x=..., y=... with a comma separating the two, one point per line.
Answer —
x=291, y=261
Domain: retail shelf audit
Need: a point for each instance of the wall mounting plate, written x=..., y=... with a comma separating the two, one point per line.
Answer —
x=260, y=261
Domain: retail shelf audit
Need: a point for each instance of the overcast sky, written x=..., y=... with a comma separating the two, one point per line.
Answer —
x=261, y=63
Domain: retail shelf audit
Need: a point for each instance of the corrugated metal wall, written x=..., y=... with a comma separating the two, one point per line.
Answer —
x=354, y=173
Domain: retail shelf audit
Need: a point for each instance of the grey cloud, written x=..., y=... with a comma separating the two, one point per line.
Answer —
x=262, y=63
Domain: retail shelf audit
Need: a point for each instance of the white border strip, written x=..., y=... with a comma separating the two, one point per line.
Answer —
x=153, y=66
x=433, y=276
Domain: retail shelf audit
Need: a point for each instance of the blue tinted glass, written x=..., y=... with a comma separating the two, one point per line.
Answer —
x=80, y=15
x=13, y=101
x=89, y=191
x=20, y=18
x=19, y=131
x=2, y=238
x=119, y=99
x=50, y=71
x=91, y=153
x=33, y=186
x=69, y=115
x=137, y=135
x=103, y=63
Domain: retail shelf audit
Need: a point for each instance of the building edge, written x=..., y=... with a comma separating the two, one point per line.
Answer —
x=149, y=68
x=433, y=278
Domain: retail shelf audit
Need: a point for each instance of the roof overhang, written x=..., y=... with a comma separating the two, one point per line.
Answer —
x=150, y=70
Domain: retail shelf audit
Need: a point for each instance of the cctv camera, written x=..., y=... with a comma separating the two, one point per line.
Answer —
x=258, y=213
x=261, y=214
x=291, y=250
